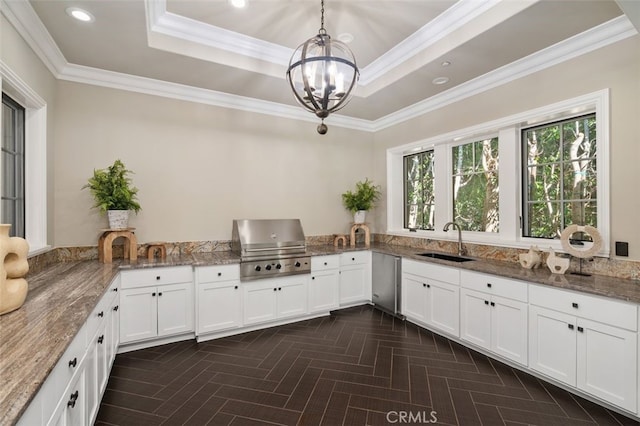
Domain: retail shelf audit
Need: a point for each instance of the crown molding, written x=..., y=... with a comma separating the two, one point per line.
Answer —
x=22, y=16
x=603, y=35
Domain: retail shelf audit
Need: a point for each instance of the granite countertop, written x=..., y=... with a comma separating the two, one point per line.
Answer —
x=61, y=297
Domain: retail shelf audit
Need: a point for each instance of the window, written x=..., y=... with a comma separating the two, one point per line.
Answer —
x=13, y=166
x=560, y=179
x=419, y=200
x=475, y=185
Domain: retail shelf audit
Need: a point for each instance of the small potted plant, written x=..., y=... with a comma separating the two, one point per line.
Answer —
x=113, y=193
x=362, y=200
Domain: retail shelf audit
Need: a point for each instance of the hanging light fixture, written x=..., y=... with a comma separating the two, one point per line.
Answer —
x=322, y=74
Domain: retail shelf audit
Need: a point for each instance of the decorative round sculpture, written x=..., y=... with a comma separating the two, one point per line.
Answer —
x=13, y=267
x=581, y=253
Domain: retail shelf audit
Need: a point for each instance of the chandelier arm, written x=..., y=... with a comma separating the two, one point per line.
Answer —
x=305, y=78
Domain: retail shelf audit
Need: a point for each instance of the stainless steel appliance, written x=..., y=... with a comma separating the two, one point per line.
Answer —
x=270, y=248
x=387, y=275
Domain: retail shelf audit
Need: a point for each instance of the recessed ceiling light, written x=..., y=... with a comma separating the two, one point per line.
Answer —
x=345, y=38
x=238, y=3
x=80, y=14
x=440, y=80
x=445, y=63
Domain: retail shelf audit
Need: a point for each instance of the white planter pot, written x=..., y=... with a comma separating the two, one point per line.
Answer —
x=359, y=216
x=118, y=219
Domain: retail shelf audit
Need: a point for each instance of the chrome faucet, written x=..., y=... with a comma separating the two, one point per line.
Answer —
x=455, y=225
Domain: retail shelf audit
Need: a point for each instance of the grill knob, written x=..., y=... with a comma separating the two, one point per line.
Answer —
x=297, y=264
x=278, y=266
x=258, y=268
x=268, y=267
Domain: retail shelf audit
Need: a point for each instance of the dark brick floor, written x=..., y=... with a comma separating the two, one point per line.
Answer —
x=356, y=367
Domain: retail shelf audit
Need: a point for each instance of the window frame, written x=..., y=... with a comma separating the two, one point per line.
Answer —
x=36, y=216
x=405, y=186
x=18, y=200
x=510, y=173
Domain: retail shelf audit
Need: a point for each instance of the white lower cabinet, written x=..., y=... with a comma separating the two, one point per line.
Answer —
x=148, y=311
x=493, y=314
x=324, y=285
x=428, y=300
x=355, y=278
x=567, y=345
x=274, y=299
x=219, y=298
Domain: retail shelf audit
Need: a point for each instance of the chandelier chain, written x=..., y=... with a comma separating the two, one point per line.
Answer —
x=322, y=16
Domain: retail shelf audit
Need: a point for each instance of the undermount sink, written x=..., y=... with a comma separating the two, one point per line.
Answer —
x=442, y=256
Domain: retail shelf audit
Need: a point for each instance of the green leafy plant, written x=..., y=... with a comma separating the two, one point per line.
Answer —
x=365, y=195
x=112, y=190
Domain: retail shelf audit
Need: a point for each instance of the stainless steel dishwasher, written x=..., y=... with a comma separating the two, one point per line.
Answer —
x=386, y=276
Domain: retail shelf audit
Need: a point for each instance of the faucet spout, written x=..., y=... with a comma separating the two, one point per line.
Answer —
x=455, y=226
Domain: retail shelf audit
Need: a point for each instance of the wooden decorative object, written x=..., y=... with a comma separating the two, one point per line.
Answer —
x=13, y=268
x=367, y=234
x=157, y=250
x=338, y=239
x=105, y=244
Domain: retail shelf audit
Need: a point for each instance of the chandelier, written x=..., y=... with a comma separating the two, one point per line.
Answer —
x=322, y=73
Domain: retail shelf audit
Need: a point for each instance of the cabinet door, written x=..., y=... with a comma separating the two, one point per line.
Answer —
x=324, y=291
x=114, y=331
x=509, y=328
x=91, y=371
x=608, y=363
x=353, y=284
x=292, y=296
x=175, y=309
x=475, y=315
x=414, y=299
x=75, y=403
x=443, y=307
x=138, y=314
x=552, y=344
x=260, y=302
x=219, y=306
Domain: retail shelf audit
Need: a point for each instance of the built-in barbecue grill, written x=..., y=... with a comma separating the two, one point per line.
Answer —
x=270, y=248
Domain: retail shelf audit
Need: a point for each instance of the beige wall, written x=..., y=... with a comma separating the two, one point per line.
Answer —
x=21, y=60
x=199, y=167
x=616, y=67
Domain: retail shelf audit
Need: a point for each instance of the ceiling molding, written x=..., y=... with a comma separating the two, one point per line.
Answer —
x=22, y=16
x=605, y=34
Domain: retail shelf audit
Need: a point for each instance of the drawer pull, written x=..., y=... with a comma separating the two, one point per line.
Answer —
x=493, y=303
x=160, y=294
x=353, y=258
x=313, y=278
x=115, y=289
x=235, y=287
x=115, y=308
x=73, y=362
x=158, y=278
x=153, y=294
x=101, y=314
x=325, y=263
x=486, y=302
x=72, y=399
x=279, y=288
x=275, y=289
x=219, y=274
x=424, y=285
x=489, y=285
x=581, y=330
x=101, y=339
x=575, y=305
x=428, y=285
x=570, y=326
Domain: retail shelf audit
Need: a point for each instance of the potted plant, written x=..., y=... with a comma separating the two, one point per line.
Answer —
x=113, y=193
x=362, y=200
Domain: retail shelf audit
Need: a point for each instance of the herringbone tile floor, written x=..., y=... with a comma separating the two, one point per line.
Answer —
x=356, y=367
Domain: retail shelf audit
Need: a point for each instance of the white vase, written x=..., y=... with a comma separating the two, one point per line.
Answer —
x=118, y=219
x=359, y=216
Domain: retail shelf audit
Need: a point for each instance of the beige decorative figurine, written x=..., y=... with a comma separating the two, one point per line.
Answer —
x=531, y=259
x=14, y=266
x=557, y=265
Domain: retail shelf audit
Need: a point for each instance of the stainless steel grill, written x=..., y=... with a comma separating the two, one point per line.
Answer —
x=270, y=247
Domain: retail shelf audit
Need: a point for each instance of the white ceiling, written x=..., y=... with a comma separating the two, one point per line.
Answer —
x=214, y=52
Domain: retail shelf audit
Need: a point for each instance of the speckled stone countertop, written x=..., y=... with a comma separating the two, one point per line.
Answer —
x=61, y=297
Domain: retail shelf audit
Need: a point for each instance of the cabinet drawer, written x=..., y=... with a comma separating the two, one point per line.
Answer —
x=600, y=309
x=71, y=361
x=98, y=315
x=355, y=258
x=320, y=263
x=491, y=284
x=155, y=276
x=217, y=273
x=429, y=270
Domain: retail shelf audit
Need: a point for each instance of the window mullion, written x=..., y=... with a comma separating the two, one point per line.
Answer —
x=443, y=186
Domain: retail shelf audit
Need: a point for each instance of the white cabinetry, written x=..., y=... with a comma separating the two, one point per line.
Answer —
x=274, y=299
x=493, y=314
x=156, y=302
x=324, y=290
x=72, y=392
x=585, y=341
x=219, y=298
x=430, y=295
x=355, y=278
